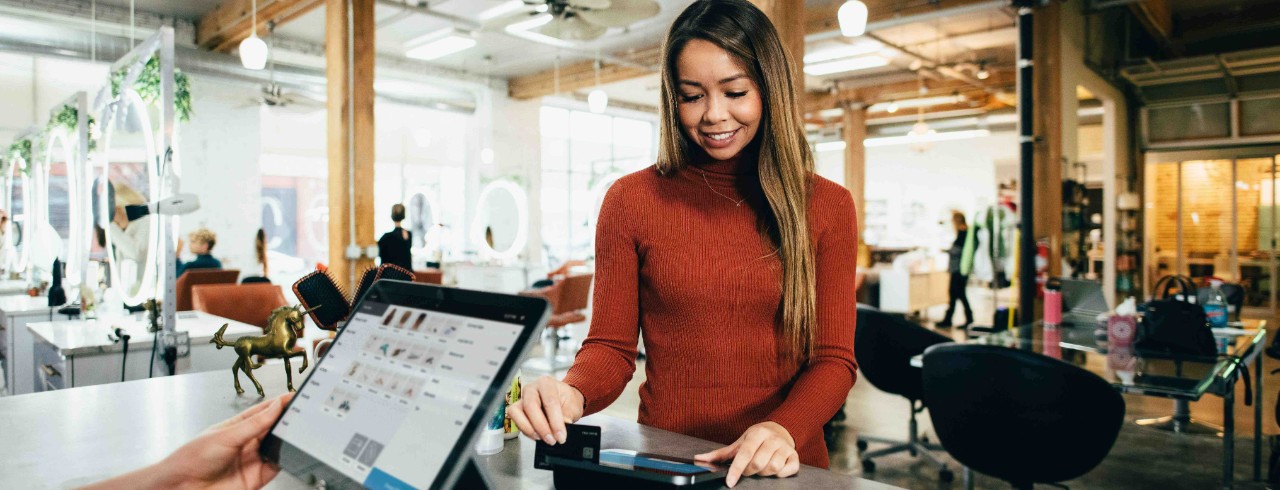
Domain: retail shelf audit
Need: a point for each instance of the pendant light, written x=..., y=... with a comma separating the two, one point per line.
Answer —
x=253, y=51
x=853, y=18
x=597, y=100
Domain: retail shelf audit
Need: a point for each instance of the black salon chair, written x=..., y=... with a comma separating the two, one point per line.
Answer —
x=1019, y=416
x=884, y=345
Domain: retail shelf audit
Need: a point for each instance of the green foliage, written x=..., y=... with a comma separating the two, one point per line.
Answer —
x=66, y=118
x=148, y=87
x=21, y=149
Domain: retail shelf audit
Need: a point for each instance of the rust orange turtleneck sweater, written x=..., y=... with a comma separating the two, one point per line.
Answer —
x=679, y=262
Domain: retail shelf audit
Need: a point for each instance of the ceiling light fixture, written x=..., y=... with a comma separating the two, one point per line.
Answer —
x=893, y=105
x=500, y=10
x=931, y=137
x=533, y=23
x=439, y=44
x=982, y=73
x=891, y=108
x=853, y=18
x=846, y=65
x=253, y=51
x=843, y=50
x=597, y=100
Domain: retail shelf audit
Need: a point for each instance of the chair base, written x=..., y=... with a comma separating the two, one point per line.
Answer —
x=1181, y=422
x=1177, y=425
x=553, y=339
x=916, y=446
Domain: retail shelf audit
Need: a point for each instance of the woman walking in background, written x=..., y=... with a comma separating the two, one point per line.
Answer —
x=958, y=278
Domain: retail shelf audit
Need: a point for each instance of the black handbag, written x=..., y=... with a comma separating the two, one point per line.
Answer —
x=1176, y=328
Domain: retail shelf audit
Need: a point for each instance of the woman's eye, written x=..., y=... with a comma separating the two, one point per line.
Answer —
x=735, y=95
x=689, y=98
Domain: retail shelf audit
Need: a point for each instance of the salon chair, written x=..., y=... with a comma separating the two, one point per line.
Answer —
x=245, y=303
x=196, y=277
x=1019, y=416
x=884, y=344
x=569, y=297
x=429, y=276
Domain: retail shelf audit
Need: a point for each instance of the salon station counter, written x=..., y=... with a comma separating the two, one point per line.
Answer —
x=13, y=286
x=81, y=353
x=16, y=343
x=75, y=437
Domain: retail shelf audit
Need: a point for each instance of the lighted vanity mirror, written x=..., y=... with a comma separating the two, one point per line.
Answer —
x=62, y=205
x=127, y=175
x=14, y=252
x=422, y=215
x=501, y=226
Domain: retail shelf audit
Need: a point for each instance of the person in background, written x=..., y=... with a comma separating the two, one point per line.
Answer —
x=733, y=260
x=259, y=273
x=959, y=280
x=394, y=246
x=202, y=242
x=224, y=456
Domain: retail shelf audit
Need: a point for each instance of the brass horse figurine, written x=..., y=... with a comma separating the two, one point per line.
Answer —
x=285, y=324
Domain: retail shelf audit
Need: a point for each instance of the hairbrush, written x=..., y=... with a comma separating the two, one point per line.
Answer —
x=329, y=304
x=373, y=275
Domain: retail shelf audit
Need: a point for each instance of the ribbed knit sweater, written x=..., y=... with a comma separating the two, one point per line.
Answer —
x=678, y=261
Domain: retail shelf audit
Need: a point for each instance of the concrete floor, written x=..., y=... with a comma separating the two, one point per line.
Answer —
x=1141, y=458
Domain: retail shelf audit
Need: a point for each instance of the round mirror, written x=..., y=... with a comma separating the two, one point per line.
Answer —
x=422, y=217
x=16, y=253
x=127, y=176
x=62, y=203
x=501, y=225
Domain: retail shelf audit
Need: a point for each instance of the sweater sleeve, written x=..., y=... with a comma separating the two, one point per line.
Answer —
x=607, y=359
x=823, y=385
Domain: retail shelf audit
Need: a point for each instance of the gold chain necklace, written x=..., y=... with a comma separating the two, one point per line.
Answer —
x=736, y=202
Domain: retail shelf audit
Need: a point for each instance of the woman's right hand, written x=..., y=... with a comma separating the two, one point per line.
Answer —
x=545, y=405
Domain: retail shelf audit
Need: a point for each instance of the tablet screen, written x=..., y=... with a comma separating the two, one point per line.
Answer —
x=394, y=394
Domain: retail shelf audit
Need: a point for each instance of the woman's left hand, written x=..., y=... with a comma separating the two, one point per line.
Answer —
x=765, y=449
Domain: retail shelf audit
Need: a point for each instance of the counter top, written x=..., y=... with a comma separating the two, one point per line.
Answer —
x=79, y=436
x=13, y=287
x=73, y=337
x=20, y=304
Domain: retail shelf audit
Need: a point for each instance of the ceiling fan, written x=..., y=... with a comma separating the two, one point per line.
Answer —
x=272, y=95
x=578, y=20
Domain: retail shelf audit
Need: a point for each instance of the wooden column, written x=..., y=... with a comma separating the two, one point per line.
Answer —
x=788, y=18
x=1048, y=127
x=350, y=110
x=855, y=162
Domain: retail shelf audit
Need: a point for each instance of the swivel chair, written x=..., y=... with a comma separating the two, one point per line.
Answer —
x=1022, y=417
x=884, y=345
x=569, y=297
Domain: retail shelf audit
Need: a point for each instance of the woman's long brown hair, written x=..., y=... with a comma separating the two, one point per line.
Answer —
x=784, y=164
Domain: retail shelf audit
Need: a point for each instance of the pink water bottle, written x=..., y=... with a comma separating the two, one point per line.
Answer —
x=1053, y=302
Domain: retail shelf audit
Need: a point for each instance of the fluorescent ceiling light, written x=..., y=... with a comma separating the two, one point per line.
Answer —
x=932, y=137
x=532, y=23
x=844, y=65
x=843, y=50
x=915, y=103
x=830, y=146
x=438, y=44
x=500, y=10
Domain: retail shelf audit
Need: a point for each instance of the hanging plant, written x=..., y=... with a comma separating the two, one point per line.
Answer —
x=22, y=150
x=148, y=87
x=67, y=118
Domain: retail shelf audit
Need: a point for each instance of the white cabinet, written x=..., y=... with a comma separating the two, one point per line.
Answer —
x=903, y=291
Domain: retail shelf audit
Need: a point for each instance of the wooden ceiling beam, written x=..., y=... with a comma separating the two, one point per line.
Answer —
x=1157, y=19
x=231, y=21
x=823, y=18
x=818, y=101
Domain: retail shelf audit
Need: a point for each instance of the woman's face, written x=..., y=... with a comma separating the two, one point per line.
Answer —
x=719, y=104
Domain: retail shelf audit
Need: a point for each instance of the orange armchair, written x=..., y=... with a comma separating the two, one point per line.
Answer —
x=197, y=277
x=569, y=298
x=245, y=303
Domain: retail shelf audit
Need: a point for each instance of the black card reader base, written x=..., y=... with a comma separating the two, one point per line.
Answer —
x=578, y=479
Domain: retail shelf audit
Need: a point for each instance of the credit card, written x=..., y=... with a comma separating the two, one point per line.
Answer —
x=582, y=443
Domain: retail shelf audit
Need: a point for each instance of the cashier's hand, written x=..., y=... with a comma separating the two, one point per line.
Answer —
x=765, y=449
x=545, y=405
x=224, y=457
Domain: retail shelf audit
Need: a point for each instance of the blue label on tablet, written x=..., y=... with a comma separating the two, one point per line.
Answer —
x=614, y=458
x=380, y=480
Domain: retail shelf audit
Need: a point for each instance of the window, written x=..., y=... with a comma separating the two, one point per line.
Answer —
x=582, y=154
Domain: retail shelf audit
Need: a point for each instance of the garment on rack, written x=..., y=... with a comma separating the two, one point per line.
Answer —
x=988, y=248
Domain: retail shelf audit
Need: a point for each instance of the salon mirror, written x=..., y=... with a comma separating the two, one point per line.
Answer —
x=57, y=202
x=422, y=217
x=126, y=175
x=14, y=250
x=501, y=225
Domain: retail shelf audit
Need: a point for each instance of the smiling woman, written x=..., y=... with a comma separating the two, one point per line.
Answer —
x=733, y=257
